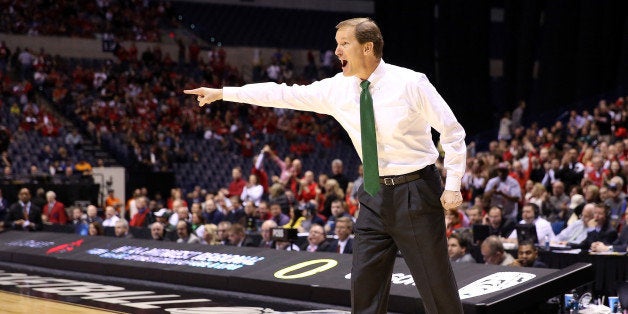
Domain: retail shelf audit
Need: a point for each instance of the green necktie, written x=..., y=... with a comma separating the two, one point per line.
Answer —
x=369, y=142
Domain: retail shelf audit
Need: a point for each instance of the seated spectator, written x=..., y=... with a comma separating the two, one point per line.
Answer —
x=338, y=209
x=276, y=214
x=527, y=256
x=210, y=236
x=211, y=213
x=144, y=217
x=620, y=245
x=92, y=215
x=185, y=233
x=453, y=221
x=317, y=241
x=122, y=229
x=498, y=224
x=54, y=211
x=311, y=217
x=198, y=224
x=223, y=232
x=157, y=231
x=78, y=217
x=235, y=213
x=343, y=229
x=95, y=229
x=493, y=252
x=110, y=217
x=250, y=218
x=266, y=232
x=531, y=215
x=457, y=248
x=296, y=218
x=577, y=231
x=237, y=237
x=602, y=231
x=474, y=213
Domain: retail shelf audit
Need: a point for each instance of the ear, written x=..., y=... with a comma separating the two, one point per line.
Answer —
x=367, y=48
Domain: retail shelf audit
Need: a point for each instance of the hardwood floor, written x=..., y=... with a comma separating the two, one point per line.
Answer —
x=18, y=304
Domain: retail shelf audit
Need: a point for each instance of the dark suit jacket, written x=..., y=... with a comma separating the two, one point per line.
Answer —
x=622, y=242
x=606, y=235
x=348, y=247
x=325, y=246
x=16, y=213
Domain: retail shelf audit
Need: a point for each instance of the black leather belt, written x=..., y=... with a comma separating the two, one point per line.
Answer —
x=401, y=179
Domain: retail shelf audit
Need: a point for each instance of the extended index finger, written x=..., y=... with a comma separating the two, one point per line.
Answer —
x=196, y=91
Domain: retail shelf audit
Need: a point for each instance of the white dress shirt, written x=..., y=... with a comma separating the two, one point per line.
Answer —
x=405, y=103
x=543, y=228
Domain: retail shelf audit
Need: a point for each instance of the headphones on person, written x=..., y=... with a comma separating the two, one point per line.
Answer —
x=537, y=210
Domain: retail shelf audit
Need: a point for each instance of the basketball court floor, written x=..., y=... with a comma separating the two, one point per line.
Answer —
x=31, y=289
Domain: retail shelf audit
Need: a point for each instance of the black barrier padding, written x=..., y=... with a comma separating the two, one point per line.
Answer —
x=264, y=272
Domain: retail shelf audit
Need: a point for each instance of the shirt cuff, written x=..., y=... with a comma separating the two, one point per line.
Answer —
x=229, y=94
x=452, y=183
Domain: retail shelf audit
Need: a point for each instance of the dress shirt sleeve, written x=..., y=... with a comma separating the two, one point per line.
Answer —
x=442, y=119
x=313, y=97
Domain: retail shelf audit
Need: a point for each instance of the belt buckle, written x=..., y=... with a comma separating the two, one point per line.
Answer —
x=389, y=181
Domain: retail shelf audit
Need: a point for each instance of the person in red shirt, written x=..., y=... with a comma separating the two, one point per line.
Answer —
x=54, y=211
x=237, y=184
x=307, y=188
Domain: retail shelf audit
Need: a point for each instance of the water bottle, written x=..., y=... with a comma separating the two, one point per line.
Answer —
x=547, y=244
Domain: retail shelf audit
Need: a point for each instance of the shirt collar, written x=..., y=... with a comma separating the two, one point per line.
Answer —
x=379, y=72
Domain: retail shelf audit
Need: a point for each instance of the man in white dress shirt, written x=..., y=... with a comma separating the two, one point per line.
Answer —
x=403, y=211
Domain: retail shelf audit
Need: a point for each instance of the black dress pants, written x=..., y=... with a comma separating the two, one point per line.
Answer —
x=407, y=217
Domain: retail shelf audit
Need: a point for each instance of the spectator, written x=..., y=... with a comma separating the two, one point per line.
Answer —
x=95, y=229
x=23, y=214
x=338, y=209
x=185, y=233
x=453, y=221
x=557, y=205
x=54, y=211
x=332, y=192
x=338, y=175
x=474, y=213
x=253, y=191
x=316, y=241
x=237, y=184
x=531, y=214
x=576, y=232
x=505, y=191
x=266, y=233
x=277, y=216
x=457, y=248
x=307, y=187
x=157, y=231
x=620, y=245
x=92, y=215
x=211, y=213
x=223, y=232
x=111, y=217
x=237, y=237
x=114, y=202
x=498, y=224
x=343, y=230
x=144, y=217
x=78, y=217
x=122, y=229
x=493, y=252
x=527, y=256
x=602, y=231
x=4, y=207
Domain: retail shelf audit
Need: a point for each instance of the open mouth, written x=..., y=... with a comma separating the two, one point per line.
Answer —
x=343, y=62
